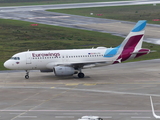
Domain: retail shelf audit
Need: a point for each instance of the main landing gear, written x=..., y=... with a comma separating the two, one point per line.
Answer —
x=80, y=74
x=27, y=74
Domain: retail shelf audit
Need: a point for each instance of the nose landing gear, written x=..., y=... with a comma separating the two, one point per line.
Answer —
x=27, y=74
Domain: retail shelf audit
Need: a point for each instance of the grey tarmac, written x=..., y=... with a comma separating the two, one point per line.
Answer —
x=115, y=92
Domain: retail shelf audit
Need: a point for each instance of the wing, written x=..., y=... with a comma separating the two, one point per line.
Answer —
x=88, y=64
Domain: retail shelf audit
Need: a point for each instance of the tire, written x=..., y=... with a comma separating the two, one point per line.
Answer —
x=27, y=76
x=81, y=75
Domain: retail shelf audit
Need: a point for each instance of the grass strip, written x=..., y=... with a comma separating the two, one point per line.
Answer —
x=126, y=13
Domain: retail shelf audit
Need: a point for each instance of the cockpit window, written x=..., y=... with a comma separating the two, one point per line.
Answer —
x=15, y=58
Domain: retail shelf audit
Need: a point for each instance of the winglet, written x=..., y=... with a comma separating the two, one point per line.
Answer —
x=153, y=112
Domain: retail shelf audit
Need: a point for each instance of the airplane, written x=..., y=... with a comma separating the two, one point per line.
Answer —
x=70, y=62
x=153, y=112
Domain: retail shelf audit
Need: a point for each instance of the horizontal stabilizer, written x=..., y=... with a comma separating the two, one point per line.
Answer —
x=141, y=51
x=138, y=52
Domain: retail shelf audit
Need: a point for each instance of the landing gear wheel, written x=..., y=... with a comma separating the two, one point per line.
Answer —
x=27, y=76
x=81, y=75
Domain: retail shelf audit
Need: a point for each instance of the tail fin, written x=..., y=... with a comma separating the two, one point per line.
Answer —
x=135, y=37
x=131, y=46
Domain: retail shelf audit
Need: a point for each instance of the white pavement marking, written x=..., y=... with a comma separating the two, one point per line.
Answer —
x=141, y=117
x=72, y=113
x=87, y=90
x=15, y=113
x=49, y=17
x=128, y=113
x=113, y=92
x=64, y=116
x=106, y=116
x=27, y=116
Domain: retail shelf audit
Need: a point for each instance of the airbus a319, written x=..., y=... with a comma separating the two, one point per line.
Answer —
x=70, y=62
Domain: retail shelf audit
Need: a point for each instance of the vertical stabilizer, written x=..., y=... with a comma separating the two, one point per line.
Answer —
x=135, y=37
x=131, y=47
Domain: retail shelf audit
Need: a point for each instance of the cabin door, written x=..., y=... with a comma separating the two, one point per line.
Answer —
x=28, y=58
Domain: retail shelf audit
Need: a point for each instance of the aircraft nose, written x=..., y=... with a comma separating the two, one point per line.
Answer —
x=6, y=64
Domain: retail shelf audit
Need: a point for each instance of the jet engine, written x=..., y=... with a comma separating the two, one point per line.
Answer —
x=64, y=70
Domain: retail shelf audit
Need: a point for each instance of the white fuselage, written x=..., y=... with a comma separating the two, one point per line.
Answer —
x=38, y=60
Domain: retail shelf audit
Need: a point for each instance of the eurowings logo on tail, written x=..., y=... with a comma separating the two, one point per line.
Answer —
x=131, y=46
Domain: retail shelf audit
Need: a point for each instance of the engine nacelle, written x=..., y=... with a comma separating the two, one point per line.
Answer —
x=64, y=71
